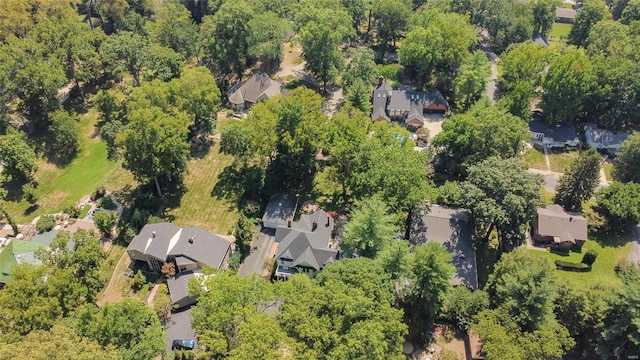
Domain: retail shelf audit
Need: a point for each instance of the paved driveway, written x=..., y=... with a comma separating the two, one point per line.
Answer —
x=179, y=327
x=260, y=251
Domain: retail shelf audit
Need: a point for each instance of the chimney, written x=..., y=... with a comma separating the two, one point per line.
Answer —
x=328, y=221
x=191, y=239
x=380, y=80
x=153, y=234
x=314, y=226
x=570, y=219
x=289, y=223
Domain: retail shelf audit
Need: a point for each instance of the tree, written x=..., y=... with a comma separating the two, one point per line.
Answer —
x=126, y=51
x=360, y=66
x=523, y=285
x=268, y=32
x=507, y=22
x=105, y=221
x=482, y=132
x=591, y=12
x=579, y=181
x=461, y=305
x=154, y=145
x=18, y=158
x=359, y=95
x=243, y=232
x=566, y=86
x=29, y=193
x=236, y=140
x=620, y=206
x=370, y=228
x=162, y=303
x=60, y=342
x=502, y=196
x=524, y=62
x=356, y=8
x=173, y=28
x=395, y=259
x=65, y=142
x=128, y=325
x=631, y=12
x=320, y=50
x=544, y=14
x=628, y=161
x=226, y=35
x=197, y=94
x=392, y=19
x=163, y=64
x=261, y=337
x=472, y=79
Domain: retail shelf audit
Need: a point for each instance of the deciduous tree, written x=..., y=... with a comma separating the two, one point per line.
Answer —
x=320, y=50
x=173, y=28
x=392, y=18
x=544, y=14
x=65, y=142
x=268, y=32
x=627, y=165
x=591, y=12
x=126, y=51
x=620, y=206
x=18, y=157
x=370, y=228
x=472, y=79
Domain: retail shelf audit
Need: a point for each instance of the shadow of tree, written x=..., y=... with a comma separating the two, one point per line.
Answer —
x=240, y=185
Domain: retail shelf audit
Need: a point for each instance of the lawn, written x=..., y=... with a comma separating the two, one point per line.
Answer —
x=546, y=196
x=117, y=284
x=59, y=187
x=560, y=31
x=535, y=159
x=561, y=160
x=608, y=170
x=198, y=206
x=611, y=250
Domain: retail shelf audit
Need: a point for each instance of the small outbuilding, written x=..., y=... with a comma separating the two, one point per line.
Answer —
x=280, y=210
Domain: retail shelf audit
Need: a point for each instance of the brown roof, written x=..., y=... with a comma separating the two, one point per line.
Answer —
x=554, y=221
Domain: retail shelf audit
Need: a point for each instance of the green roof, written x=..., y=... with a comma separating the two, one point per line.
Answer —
x=8, y=259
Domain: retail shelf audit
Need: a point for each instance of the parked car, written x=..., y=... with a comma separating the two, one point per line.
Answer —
x=183, y=344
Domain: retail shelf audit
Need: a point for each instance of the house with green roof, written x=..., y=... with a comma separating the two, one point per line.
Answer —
x=15, y=253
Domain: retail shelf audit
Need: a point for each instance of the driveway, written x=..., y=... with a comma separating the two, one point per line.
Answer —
x=550, y=179
x=634, y=255
x=254, y=263
x=179, y=327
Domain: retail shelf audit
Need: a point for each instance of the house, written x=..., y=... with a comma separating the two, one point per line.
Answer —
x=553, y=225
x=189, y=249
x=304, y=246
x=605, y=140
x=450, y=228
x=17, y=252
x=564, y=15
x=279, y=211
x=539, y=39
x=552, y=136
x=405, y=105
x=259, y=87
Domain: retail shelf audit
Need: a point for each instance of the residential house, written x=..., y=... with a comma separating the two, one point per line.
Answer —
x=555, y=226
x=405, y=105
x=605, y=140
x=189, y=249
x=539, y=39
x=304, y=246
x=17, y=252
x=564, y=15
x=259, y=87
x=552, y=136
x=279, y=211
x=452, y=229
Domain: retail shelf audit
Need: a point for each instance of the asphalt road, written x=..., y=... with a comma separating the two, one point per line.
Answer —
x=260, y=250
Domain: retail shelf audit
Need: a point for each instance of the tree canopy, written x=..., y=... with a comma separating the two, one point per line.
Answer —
x=628, y=161
x=579, y=181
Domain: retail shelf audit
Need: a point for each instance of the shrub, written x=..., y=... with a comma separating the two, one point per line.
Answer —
x=99, y=193
x=105, y=221
x=45, y=223
x=392, y=73
x=107, y=203
x=139, y=280
x=589, y=257
x=234, y=260
x=72, y=211
x=571, y=266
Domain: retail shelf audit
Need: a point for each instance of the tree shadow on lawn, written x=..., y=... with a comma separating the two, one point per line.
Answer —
x=239, y=185
x=609, y=240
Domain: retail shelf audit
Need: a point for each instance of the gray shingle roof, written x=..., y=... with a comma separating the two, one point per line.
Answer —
x=304, y=245
x=434, y=96
x=154, y=239
x=450, y=228
x=252, y=89
x=539, y=39
x=178, y=286
x=603, y=137
x=561, y=133
x=280, y=209
x=380, y=96
x=554, y=221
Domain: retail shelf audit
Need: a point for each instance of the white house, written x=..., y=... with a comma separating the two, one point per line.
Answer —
x=604, y=139
x=552, y=136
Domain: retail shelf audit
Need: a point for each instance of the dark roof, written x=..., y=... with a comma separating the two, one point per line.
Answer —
x=558, y=132
x=539, y=39
x=251, y=90
x=605, y=137
x=450, y=228
x=179, y=286
x=380, y=95
x=434, y=96
x=304, y=245
x=401, y=100
x=170, y=240
x=281, y=208
x=554, y=221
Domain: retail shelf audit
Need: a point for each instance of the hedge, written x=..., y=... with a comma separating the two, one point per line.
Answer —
x=571, y=266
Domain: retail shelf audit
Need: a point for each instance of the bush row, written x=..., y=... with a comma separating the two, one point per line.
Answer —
x=571, y=266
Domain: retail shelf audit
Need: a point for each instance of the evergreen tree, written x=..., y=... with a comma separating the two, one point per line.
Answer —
x=579, y=182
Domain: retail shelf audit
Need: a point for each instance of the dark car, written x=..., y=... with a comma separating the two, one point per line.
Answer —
x=183, y=344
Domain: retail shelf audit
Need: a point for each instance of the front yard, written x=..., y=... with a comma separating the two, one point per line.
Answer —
x=558, y=160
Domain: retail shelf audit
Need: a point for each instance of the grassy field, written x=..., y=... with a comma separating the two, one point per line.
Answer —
x=59, y=187
x=199, y=206
x=535, y=159
x=560, y=31
x=610, y=251
x=560, y=161
x=608, y=170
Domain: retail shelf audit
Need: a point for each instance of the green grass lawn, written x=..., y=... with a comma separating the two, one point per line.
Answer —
x=546, y=196
x=535, y=159
x=561, y=160
x=608, y=170
x=610, y=251
x=59, y=187
x=560, y=31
